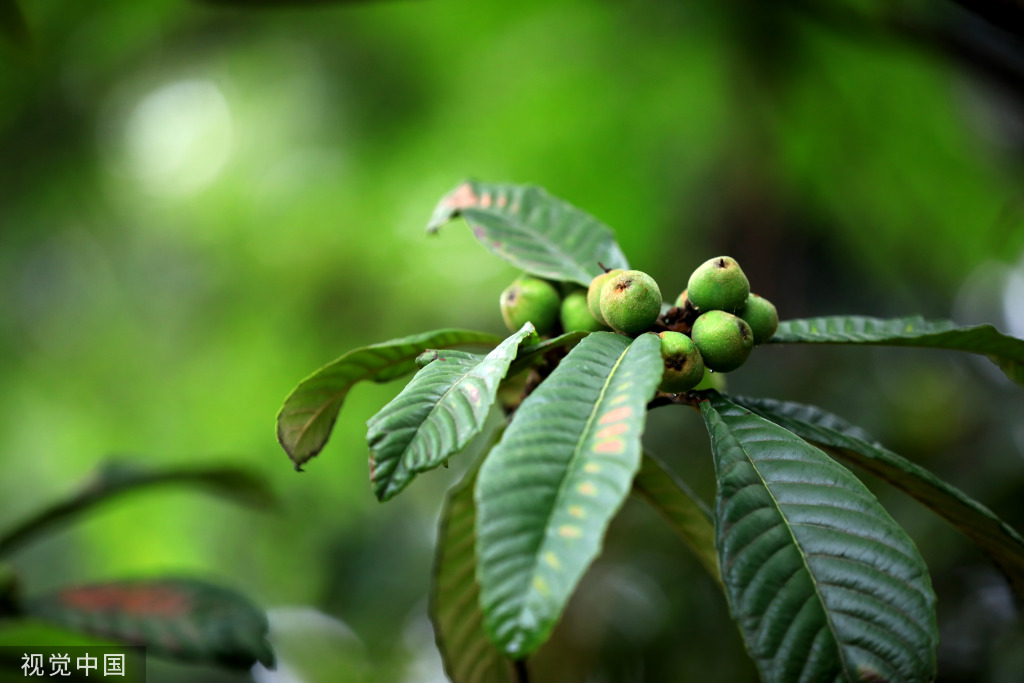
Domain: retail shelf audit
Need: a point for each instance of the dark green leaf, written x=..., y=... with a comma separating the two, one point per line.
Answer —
x=1000, y=542
x=685, y=512
x=307, y=417
x=179, y=618
x=1005, y=351
x=119, y=477
x=10, y=593
x=468, y=655
x=529, y=355
x=439, y=411
x=532, y=230
x=259, y=4
x=547, y=491
x=824, y=584
x=12, y=23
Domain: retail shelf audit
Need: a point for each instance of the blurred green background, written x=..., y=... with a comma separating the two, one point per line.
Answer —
x=201, y=203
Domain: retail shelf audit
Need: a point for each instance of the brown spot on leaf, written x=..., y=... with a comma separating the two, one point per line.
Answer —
x=502, y=201
x=150, y=600
x=485, y=200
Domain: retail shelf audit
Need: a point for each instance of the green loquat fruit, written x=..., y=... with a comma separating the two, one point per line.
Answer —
x=718, y=284
x=530, y=299
x=684, y=367
x=762, y=317
x=630, y=302
x=724, y=340
x=594, y=293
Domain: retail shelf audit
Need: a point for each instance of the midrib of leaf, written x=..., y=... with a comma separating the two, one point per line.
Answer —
x=432, y=412
x=536, y=235
x=572, y=460
x=803, y=555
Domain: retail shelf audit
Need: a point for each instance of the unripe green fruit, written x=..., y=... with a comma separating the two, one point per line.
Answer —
x=682, y=299
x=711, y=380
x=718, y=285
x=684, y=368
x=724, y=340
x=575, y=314
x=594, y=293
x=762, y=317
x=530, y=300
x=630, y=302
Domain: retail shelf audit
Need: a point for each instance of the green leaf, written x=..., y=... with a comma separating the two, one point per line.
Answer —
x=307, y=417
x=12, y=24
x=10, y=593
x=179, y=618
x=996, y=539
x=532, y=230
x=468, y=655
x=546, y=493
x=529, y=355
x=1005, y=351
x=119, y=477
x=824, y=584
x=436, y=415
x=686, y=513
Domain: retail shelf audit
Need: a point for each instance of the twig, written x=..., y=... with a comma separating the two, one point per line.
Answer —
x=522, y=673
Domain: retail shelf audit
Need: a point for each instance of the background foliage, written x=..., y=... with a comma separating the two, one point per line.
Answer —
x=201, y=202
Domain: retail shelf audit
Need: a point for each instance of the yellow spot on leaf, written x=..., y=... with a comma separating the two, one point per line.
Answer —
x=587, y=489
x=612, y=430
x=619, y=399
x=610, y=446
x=462, y=198
x=552, y=560
x=569, y=531
x=485, y=200
x=502, y=201
x=577, y=512
x=616, y=414
x=591, y=468
x=540, y=585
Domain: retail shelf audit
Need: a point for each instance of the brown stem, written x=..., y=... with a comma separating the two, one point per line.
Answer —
x=522, y=673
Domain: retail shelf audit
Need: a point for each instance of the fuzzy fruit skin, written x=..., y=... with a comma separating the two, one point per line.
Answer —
x=594, y=293
x=762, y=317
x=630, y=302
x=718, y=284
x=684, y=367
x=575, y=314
x=724, y=340
x=529, y=299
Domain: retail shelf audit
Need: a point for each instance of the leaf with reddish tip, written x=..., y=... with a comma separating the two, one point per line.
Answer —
x=307, y=417
x=182, y=619
x=532, y=230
